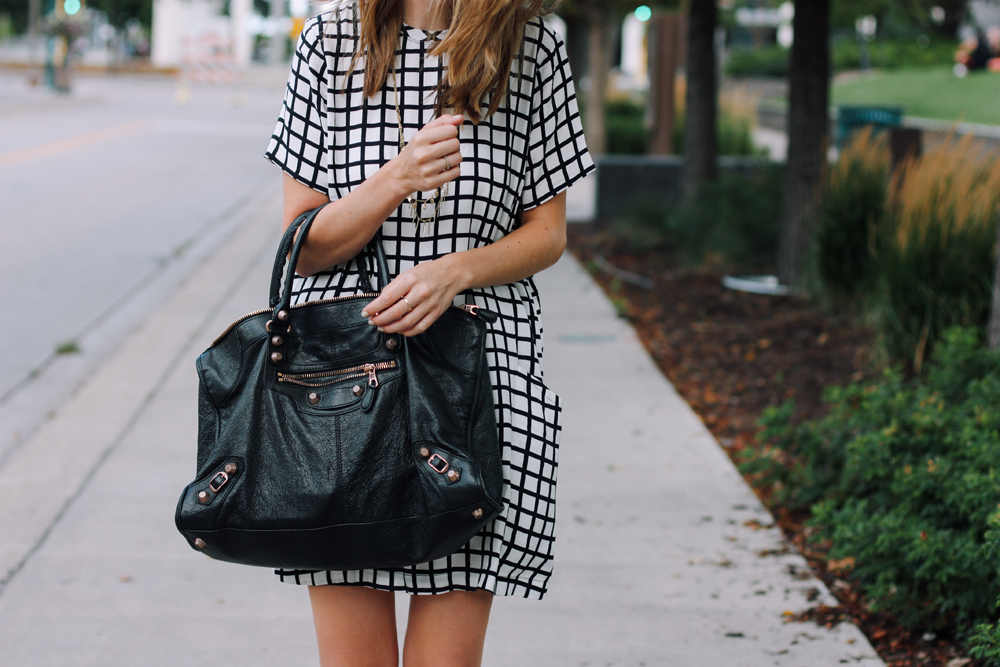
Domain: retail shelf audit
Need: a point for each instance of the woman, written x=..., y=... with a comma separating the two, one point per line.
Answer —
x=453, y=128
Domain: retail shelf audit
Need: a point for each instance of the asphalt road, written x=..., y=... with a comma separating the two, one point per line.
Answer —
x=109, y=197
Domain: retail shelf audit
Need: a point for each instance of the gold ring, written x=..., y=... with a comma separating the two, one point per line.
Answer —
x=447, y=163
x=409, y=308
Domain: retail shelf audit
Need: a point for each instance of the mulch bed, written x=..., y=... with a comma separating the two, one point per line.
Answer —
x=732, y=354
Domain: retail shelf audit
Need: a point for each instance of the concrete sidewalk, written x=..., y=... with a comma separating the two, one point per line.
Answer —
x=656, y=563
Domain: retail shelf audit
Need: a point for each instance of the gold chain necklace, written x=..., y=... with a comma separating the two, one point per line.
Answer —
x=416, y=203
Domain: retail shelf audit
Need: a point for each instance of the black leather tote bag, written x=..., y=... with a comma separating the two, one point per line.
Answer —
x=325, y=444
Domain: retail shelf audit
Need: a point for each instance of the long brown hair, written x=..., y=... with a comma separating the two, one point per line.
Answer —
x=483, y=38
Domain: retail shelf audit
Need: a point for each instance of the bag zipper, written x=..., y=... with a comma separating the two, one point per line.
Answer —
x=339, y=375
x=364, y=295
x=472, y=309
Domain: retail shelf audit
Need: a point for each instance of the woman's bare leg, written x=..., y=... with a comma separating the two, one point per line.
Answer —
x=355, y=626
x=447, y=630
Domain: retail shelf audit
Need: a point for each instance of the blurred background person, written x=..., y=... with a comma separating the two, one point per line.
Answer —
x=981, y=51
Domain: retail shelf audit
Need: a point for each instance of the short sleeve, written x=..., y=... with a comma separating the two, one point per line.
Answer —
x=557, y=150
x=298, y=144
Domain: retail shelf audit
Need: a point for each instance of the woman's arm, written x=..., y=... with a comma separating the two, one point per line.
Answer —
x=430, y=287
x=343, y=228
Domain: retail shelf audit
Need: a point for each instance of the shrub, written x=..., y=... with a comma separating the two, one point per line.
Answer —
x=894, y=54
x=853, y=208
x=733, y=221
x=769, y=61
x=625, y=124
x=737, y=118
x=904, y=482
x=773, y=61
x=936, y=259
x=985, y=644
x=627, y=132
x=915, y=252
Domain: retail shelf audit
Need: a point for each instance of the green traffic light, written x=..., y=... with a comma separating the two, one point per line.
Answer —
x=71, y=7
x=643, y=13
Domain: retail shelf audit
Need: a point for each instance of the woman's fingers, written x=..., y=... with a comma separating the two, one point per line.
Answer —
x=432, y=156
x=407, y=316
x=414, y=299
x=400, y=297
x=447, y=119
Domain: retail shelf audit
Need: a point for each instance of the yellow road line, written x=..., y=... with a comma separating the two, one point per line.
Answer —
x=71, y=144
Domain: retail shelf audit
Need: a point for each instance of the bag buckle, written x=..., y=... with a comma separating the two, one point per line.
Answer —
x=438, y=463
x=218, y=482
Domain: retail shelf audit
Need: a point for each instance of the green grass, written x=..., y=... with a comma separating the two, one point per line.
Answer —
x=930, y=92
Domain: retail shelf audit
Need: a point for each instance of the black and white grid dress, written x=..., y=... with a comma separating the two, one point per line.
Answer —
x=330, y=137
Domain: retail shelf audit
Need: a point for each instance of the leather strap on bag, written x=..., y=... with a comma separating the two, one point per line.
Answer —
x=289, y=244
x=280, y=299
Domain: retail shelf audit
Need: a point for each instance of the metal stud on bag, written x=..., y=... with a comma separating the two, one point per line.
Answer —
x=313, y=398
x=477, y=513
x=200, y=543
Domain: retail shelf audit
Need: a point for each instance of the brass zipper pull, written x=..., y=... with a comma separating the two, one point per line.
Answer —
x=372, y=378
x=473, y=309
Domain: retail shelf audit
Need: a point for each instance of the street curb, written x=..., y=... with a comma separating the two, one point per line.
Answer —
x=44, y=476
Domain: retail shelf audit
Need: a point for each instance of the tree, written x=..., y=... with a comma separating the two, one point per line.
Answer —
x=993, y=331
x=701, y=99
x=604, y=20
x=952, y=12
x=808, y=134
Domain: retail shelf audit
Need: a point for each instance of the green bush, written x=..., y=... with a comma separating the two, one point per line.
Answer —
x=852, y=210
x=625, y=124
x=733, y=221
x=903, y=479
x=734, y=135
x=936, y=258
x=915, y=253
x=894, y=54
x=769, y=61
x=773, y=61
x=984, y=644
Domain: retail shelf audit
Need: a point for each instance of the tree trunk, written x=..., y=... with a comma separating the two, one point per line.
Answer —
x=661, y=105
x=994, y=329
x=954, y=15
x=701, y=99
x=808, y=135
x=602, y=26
x=577, y=38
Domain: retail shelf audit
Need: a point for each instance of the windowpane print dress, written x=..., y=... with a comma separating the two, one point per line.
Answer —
x=330, y=137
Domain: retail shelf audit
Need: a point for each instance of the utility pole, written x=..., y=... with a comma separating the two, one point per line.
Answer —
x=34, y=16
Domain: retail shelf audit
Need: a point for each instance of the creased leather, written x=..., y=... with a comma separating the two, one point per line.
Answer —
x=340, y=483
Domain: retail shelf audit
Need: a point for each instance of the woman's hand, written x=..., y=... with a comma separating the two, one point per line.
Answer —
x=417, y=297
x=343, y=229
x=432, y=157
